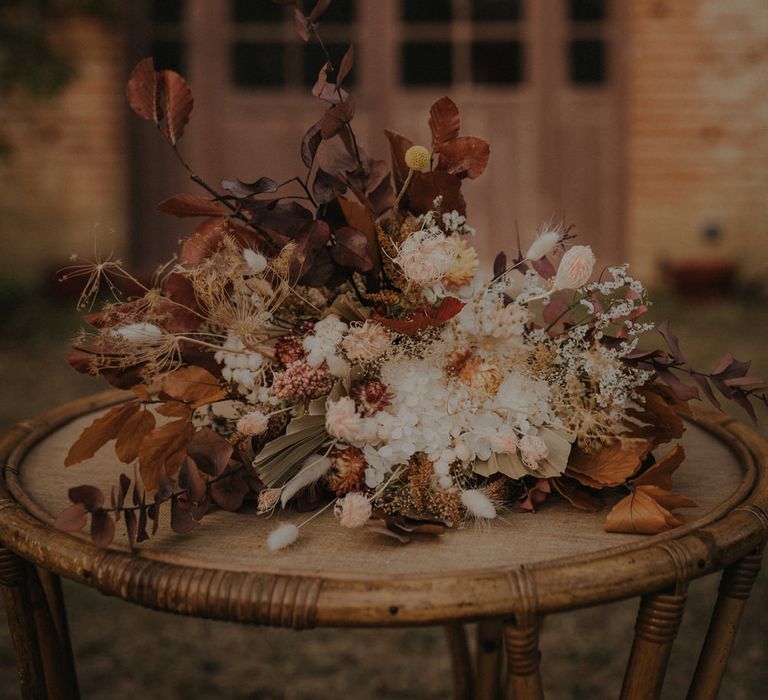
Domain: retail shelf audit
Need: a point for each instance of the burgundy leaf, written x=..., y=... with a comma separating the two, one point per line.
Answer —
x=190, y=480
x=398, y=145
x=102, y=528
x=426, y=186
x=466, y=156
x=682, y=391
x=142, y=90
x=444, y=122
x=336, y=117
x=544, y=268
x=209, y=451
x=499, y=264
x=72, y=519
x=131, y=527
x=141, y=530
x=704, y=385
x=186, y=205
x=242, y=189
x=671, y=340
x=91, y=497
x=301, y=24
x=346, y=64
x=181, y=519
x=310, y=143
x=179, y=103
x=229, y=493
x=351, y=249
x=325, y=187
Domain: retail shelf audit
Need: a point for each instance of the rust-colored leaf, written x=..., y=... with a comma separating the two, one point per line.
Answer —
x=191, y=481
x=133, y=431
x=183, y=205
x=577, y=495
x=424, y=317
x=658, y=415
x=466, y=156
x=359, y=217
x=310, y=143
x=425, y=187
x=646, y=511
x=610, y=466
x=209, y=451
x=72, y=519
x=142, y=90
x=100, y=432
x=660, y=474
x=444, y=122
x=174, y=409
x=90, y=496
x=229, y=493
x=163, y=451
x=102, y=529
x=398, y=145
x=179, y=103
x=194, y=385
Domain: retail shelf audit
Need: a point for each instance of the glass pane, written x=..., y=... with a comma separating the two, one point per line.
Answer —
x=340, y=11
x=166, y=11
x=587, y=10
x=490, y=10
x=426, y=10
x=313, y=60
x=258, y=65
x=587, y=61
x=497, y=62
x=257, y=11
x=168, y=54
x=426, y=63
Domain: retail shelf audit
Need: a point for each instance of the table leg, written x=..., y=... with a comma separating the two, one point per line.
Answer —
x=53, y=635
x=21, y=621
x=460, y=661
x=735, y=587
x=521, y=640
x=490, y=646
x=656, y=627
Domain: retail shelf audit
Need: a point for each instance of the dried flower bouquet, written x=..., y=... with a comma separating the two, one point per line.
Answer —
x=332, y=341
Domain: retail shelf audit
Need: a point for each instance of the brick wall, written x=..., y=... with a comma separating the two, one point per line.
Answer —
x=63, y=186
x=697, y=131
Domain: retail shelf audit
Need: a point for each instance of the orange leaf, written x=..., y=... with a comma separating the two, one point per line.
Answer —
x=444, y=122
x=142, y=90
x=576, y=494
x=193, y=385
x=174, y=409
x=100, y=432
x=646, y=511
x=610, y=466
x=164, y=449
x=466, y=156
x=187, y=205
x=179, y=103
x=660, y=474
x=133, y=431
x=660, y=419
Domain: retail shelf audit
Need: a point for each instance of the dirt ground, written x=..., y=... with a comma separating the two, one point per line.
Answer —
x=124, y=651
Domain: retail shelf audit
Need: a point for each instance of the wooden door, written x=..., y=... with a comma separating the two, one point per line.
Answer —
x=538, y=79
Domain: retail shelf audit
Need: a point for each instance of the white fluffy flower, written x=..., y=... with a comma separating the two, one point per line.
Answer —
x=366, y=342
x=283, y=536
x=424, y=258
x=342, y=420
x=533, y=449
x=478, y=504
x=241, y=366
x=575, y=268
x=256, y=261
x=353, y=510
x=321, y=345
x=253, y=423
x=543, y=244
x=505, y=440
x=139, y=332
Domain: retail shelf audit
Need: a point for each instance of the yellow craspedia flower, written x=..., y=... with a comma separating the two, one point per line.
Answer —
x=417, y=158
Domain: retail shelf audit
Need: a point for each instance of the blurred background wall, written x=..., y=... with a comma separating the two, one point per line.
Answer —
x=642, y=122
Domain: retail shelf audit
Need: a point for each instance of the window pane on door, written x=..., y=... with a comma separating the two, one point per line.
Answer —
x=166, y=11
x=257, y=11
x=313, y=60
x=258, y=65
x=587, y=10
x=499, y=62
x=587, y=61
x=340, y=12
x=427, y=63
x=168, y=54
x=426, y=10
x=495, y=10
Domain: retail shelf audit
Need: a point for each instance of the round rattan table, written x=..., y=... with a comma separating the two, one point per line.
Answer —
x=505, y=577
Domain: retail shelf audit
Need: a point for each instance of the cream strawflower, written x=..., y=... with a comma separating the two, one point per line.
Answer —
x=366, y=342
x=353, y=510
x=254, y=423
x=464, y=263
x=342, y=420
x=543, y=245
x=424, y=257
x=575, y=268
x=532, y=450
x=505, y=440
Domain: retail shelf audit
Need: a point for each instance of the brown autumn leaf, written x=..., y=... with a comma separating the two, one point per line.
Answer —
x=181, y=517
x=398, y=145
x=444, y=122
x=350, y=249
x=191, y=481
x=335, y=117
x=660, y=474
x=174, y=409
x=131, y=434
x=178, y=104
x=209, y=451
x=102, y=529
x=359, y=217
x=660, y=421
x=183, y=205
x=72, y=519
x=647, y=510
x=465, y=156
x=142, y=90
x=301, y=24
x=577, y=495
x=229, y=492
x=610, y=466
x=163, y=451
x=425, y=187
x=90, y=496
x=194, y=385
x=100, y=432
x=347, y=61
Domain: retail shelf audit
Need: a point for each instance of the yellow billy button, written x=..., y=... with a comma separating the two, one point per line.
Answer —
x=417, y=158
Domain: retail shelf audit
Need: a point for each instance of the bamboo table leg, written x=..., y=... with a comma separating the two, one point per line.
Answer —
x=735, y=587
x=461, y=664
x=21, y=621
x=656, y=627
x=521, y=640
x=489, y=659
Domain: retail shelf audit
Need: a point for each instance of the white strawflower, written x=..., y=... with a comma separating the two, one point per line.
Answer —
x=532, y=449
x=342, y=420
x=353, y=510
x=256, y=261
x=505, y=440
x=139, y=332
x=543, y=244
x=478, y=504
x=367, y=342
x=575, y=268
x=253, y=423
x=424, y=257
x=283, y=536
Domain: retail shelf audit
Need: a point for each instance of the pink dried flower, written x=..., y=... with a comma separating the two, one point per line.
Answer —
x=253, y=423
x=372, y=396
x=343, y=421
x=532, y=450
x=575, y=268
x=268, y=499
x=353, y=510
x=367, y=342
x=301, y=382
x=289, y=350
